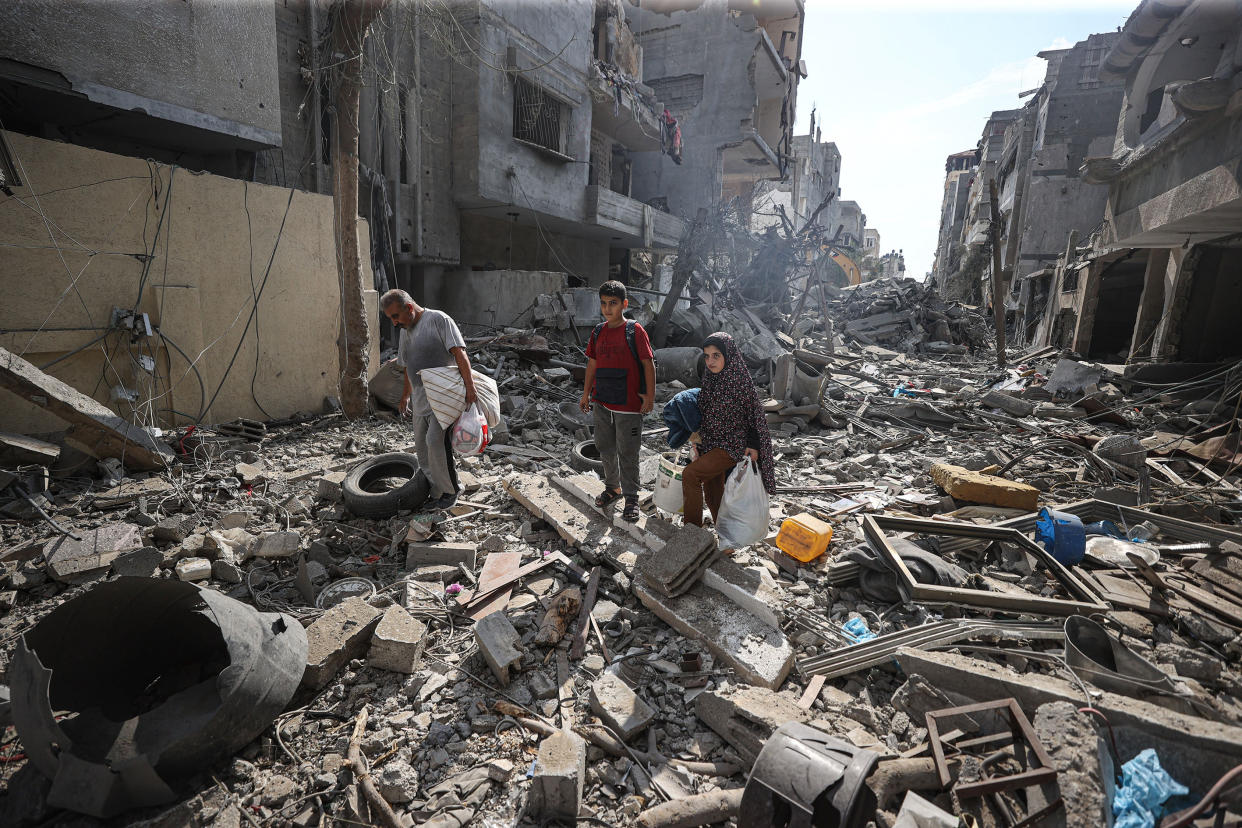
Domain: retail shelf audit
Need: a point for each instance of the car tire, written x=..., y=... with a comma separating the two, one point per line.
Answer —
x=362, y=501
x=585, y=458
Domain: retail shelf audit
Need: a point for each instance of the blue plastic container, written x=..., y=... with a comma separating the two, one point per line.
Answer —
x=1062, y=534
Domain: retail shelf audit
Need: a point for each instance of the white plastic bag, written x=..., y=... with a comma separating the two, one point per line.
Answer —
x=470, y=432
x=743, y=518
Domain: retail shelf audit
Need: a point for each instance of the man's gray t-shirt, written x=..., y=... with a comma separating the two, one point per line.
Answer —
x=427, y=345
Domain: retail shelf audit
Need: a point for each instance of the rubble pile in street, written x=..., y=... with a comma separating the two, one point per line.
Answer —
x=524, y=657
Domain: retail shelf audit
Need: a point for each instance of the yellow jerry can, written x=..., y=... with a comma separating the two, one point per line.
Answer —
x=804, y=537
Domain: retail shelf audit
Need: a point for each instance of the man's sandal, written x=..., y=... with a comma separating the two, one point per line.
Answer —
x=630, y=513
x=606, y=499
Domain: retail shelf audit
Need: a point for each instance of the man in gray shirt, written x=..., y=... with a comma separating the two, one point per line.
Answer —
x=429, y=339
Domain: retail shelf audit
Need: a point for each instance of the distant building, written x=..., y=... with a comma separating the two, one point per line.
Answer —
x=871, y=242
x=815, y=174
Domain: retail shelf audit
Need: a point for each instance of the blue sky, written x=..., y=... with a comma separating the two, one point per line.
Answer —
x=900, y=84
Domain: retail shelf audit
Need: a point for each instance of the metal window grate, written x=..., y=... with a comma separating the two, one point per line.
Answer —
x=538, y=117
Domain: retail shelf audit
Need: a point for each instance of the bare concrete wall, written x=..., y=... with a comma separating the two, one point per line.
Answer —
x=494, y=298
x=110, y=219
x=208, y=64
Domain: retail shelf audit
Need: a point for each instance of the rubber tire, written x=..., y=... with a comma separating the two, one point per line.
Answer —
x=585, y=458
x=409, y=496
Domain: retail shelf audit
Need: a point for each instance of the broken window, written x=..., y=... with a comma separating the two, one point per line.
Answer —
x=539, y=118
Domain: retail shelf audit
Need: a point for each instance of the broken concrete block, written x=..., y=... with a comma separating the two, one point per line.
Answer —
x=759, y=653
x=226, y=571
x=397, y=643
x=72, y=561
x=228, y=545
x=193, y=569
x=746, y=716
x=1070, y=740
x=276, y=545
x=20, y=450
x=329, y=487
x=94, y=428
x=560, y=770
x=498, y=642
x=248, y=473
x=338, y=635
x=752, y=590
x=234, y=520
x=679, y=565
x=619, y=706
x=1010, y=405
x=542, y=686
x=174, y=529
x=963, y=484
x=428, y=554
x=141, y=563
x=397, y=782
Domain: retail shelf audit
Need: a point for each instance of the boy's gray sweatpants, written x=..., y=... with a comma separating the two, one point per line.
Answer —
x=618, y=436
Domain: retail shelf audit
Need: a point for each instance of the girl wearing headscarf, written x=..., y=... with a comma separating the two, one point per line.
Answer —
x=733, y=427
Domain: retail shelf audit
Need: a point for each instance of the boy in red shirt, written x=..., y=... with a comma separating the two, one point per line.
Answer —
x=620, y=380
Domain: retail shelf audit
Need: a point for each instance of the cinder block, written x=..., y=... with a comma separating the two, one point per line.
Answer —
x=560, y=768
x=975, y=487
x=498, y=642
x=397, y=643
x=619, y=706
x=747, y=716
x=338, y=635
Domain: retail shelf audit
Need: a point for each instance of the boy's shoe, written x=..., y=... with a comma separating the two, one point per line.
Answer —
x=446, y=501
x=630, y=513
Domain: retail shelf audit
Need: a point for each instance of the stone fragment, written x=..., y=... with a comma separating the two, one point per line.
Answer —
x=234, y=520
x=71, y=561
x=975, y=487
x=278, y=790
x=226, y=571
x=193, y=569
x=542, y=686
x=397, y=782
x=433, y=554
x=8, y=599
x=397, y=643
x=248, y=473
x=335, y=637
x=229, y=544
x=498, y=642
x=329, y=486
x=619, y=706
x=492, y=543
x=276, y=545
x=174, y=529
x=560, y=770
x=680, y=564
x=1190, y=663
x=1010, y=405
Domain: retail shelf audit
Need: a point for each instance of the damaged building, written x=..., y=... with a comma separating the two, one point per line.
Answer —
x=987, y=584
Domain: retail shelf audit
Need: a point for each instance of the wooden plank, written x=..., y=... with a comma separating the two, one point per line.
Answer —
x=94, y=428
x=487, y=584
x=499, y=573
x=584, y=616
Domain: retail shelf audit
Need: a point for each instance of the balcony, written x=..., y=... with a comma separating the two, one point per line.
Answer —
x=750, y=159
x=619, y=110
x=631, y=223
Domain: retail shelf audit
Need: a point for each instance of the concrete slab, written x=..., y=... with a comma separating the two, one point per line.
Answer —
x=276, y=545
x=397, y=643
x=681, y=562
x=650, y=531
x=752, y=590
x=560, y=770
x=335, y=637
x=71, y=561
x=498, y=641
x=429, y=554
x=18, y=450
x=93, y=427
x=746, y=716
x=759, y=653
x=619, y=706
x=963, y=484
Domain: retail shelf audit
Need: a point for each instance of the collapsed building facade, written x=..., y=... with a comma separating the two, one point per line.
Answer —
x=1116, y=185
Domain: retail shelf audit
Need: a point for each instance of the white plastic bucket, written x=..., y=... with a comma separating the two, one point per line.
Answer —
x=667, y=495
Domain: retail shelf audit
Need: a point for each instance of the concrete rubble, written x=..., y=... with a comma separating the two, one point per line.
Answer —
x=525, y=653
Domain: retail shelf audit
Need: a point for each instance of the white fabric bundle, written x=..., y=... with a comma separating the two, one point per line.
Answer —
x=446, y=394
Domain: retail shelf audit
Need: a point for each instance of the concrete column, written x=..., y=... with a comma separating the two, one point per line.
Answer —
x=1151, y=305
x=428, y=284
x=1090, y=300
x=1175, y=271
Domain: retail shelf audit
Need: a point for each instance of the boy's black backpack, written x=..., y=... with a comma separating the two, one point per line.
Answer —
x=629, y=340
